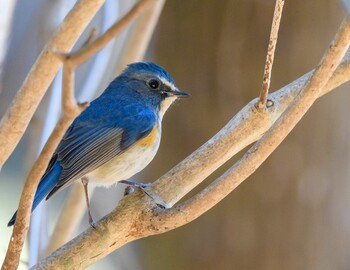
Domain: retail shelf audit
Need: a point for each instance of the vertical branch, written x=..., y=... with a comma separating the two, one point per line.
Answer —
x=24, y=209
x=69, y=104
x=270, y=54
x=22, y=108
x=70, y=111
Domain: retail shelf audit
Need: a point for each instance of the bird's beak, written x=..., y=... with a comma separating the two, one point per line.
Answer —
x=179, y=94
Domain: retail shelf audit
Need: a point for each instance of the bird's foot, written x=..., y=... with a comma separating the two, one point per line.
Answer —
x=129, y=190
x=92, y=222
x=132, y=184
x=157, y=200
x=135, y=184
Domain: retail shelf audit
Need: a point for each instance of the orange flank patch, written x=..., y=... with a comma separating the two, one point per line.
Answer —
x=151, y=138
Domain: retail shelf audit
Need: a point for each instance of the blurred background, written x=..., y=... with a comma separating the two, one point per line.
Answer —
x=291, y=214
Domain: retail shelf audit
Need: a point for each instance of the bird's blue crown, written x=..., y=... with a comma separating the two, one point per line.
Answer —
x=148, y=68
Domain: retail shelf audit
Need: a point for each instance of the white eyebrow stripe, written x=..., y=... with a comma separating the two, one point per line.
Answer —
x=167, y=83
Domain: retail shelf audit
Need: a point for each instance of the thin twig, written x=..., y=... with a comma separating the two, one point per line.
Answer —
x=22, y=108
x=270, y=54
x=82, y=55
x=134, y=218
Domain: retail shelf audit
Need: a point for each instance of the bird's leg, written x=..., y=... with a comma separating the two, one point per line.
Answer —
x=85, y=182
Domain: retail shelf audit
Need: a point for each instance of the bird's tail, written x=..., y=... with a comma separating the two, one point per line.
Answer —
x=45, y=186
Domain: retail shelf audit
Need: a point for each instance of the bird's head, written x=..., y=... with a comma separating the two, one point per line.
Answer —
x=154, y=84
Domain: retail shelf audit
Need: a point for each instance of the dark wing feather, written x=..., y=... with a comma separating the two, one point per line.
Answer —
x=84, y=148
x=94, y=150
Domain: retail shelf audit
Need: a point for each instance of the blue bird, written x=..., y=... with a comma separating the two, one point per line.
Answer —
x=117, y=136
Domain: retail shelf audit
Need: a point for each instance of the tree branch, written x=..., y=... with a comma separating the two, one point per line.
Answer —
x=24, y=209
x=70, y=110
x=270, y=54
x=82, y=55
x=136, y=215
x=15, y=121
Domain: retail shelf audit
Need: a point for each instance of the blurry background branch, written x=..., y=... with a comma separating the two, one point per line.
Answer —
x=17, y=117
x=136, y=216
x=79, y=57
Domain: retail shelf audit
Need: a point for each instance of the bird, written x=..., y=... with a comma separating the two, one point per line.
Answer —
x=115, y=137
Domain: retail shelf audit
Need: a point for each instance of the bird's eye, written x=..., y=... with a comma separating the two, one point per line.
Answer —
x=154, y=84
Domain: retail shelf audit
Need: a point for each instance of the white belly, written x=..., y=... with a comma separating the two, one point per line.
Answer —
x=125, y=165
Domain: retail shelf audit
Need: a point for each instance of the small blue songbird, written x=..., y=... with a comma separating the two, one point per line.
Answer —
x=117, y=136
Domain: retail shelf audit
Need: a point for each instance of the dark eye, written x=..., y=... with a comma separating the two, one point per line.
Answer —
x=154, y=84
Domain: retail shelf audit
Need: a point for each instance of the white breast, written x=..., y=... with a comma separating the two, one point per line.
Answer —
x=125, y=165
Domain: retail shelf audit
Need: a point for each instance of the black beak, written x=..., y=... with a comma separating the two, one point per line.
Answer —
x=179, y=94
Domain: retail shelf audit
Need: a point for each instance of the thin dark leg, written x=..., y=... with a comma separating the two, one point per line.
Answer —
x=85, y=182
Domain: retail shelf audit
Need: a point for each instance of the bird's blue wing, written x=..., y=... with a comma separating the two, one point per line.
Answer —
x=87, y=146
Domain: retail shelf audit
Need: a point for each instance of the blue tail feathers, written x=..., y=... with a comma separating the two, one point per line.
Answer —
x=45, y=186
